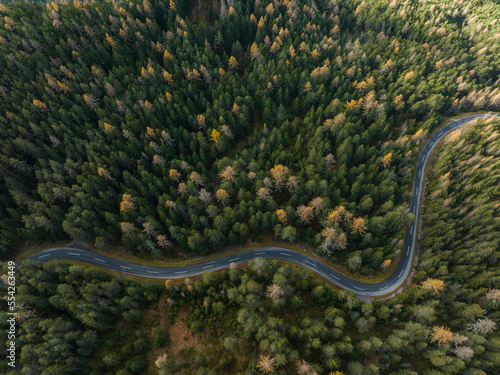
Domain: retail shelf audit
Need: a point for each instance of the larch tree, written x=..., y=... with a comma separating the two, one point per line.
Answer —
x=264, y=194
x=266, y=363
x=254, y=50
x=435, y=285
x=338, y=214
x=104, y=173
x=222, y=196
x=215, y=136
x=200, y=119
x=183, y=189
x=465, y=353
x=482, y=326
x=126, y=204
x=279, y=173
x=358, y=226
x=149, y=229
x=305, y=214
x=494, y=296
x=127, y=227
x=205, y=196
x=292, y=183
x=170, y=205
x=282, y=216
x=163, y=241
x=441, y=335
x=386, y=160
x=233, y=63
x=386, y=264
x=275, y=291
x=304, y=368
x=226, y=130
x=317, y=204
x=333, y=240
x=227, y=174
x=196, y=178
x=174, y=175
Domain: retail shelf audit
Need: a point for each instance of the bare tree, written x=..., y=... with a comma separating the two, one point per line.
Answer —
x=163, y=241
x=275, y=291
x=266, y=364
x=205, y=196
x=227, y=174
x=264, y=194
x=305, y=214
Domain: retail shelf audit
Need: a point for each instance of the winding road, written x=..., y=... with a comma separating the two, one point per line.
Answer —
x=392, y=283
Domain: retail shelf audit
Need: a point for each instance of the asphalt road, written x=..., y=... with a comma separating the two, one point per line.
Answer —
x=392, y=283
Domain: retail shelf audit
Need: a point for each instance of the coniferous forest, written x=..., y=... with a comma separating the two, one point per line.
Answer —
x=170, y=127
x=188, y=127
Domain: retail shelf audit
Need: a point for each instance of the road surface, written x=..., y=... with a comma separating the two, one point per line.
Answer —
x=392, y=283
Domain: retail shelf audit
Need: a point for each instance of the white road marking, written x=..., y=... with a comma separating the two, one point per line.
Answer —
x=411, y=230
x=288, y=255
x=401, y=273
x=180, y=272
x=311, y=263
x=152, y=272
x=46, y=255
x=385, y=287
x=232, y=260
x=127, y=268
x=74, y=254
x=260, y=253
x=419, y=173
x=358, y=288
x=408, y=250
x=208, y=266
x=335, y=277
x=100, y=260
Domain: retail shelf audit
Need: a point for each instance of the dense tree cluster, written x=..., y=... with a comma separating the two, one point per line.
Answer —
x=63, y=313
x=446, y=323
x=170, y=126
x=272, y=318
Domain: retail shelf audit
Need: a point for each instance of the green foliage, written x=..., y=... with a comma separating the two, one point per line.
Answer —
x=65, y=311
x=109, y=112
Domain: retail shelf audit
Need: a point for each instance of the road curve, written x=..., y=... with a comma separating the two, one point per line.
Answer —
x=392, y=283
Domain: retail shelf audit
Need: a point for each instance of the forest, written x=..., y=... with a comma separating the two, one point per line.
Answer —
x=169, y=127
x=188, y=127
x=271, y=318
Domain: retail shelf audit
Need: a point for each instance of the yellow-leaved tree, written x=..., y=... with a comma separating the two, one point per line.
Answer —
x=386, y=160
x=174, y=174
x=279, y=173
x=435, y=285
x=282, y=217
x=233, y=63
x=358, y=226
x=126, y=204
x=441, y=335
x=215, y=136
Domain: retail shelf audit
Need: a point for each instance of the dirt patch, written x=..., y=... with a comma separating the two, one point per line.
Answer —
x=181, y=336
